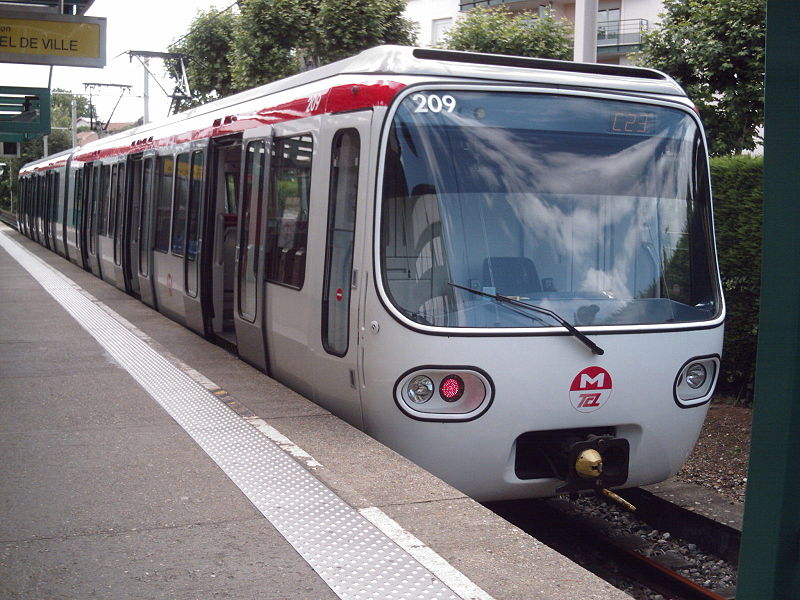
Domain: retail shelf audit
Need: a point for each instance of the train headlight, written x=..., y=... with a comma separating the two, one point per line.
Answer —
x=695, y=381
x=696, y=375
x=420, y=389
x=444, y=393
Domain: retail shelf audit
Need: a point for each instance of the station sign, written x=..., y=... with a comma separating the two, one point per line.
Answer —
x=53, y=40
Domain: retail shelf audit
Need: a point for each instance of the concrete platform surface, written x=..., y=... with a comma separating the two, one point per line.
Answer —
x=104, y=495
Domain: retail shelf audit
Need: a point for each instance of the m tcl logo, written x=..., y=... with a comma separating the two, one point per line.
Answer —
x=590, y=389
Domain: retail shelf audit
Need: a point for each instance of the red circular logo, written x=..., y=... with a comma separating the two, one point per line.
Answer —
x=590, y=389
x=339, y=294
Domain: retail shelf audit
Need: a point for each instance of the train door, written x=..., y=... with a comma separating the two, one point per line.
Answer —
x=220, y=230
x=142, y=237
x=73, y=217
x=344, y=146
x=248, y=313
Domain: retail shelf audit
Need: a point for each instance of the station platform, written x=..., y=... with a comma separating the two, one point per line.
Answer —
x=141, y=461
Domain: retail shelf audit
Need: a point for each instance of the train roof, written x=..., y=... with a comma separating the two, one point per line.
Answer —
x=405, y=61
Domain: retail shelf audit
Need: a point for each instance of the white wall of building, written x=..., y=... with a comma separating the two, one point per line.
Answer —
x=642, y=9
x=432, y=18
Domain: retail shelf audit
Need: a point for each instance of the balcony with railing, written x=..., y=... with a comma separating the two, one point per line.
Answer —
x=620, y=37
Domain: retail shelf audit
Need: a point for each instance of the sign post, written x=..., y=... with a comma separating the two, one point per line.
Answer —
x=769, y=563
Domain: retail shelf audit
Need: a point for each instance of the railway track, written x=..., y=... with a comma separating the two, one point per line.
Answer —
x=627, y=560
x=8, y=218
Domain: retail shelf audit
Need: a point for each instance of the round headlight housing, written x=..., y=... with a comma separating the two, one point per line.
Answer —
x=420, y=389
x=694, y=383
x=696, y=375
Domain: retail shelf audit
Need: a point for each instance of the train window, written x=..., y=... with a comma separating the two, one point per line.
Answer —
x=289, y=193
x=144, y=230
x=104, y=202
x=341, y=235
x=549, y=199
x=180, y=204
x=166, y=168
x=195, y=203
x=92, y=208
x=193, y=220
x=58, y=200
x=250, y=240
x=76, y=202
x=119, y=212
x=231, y=191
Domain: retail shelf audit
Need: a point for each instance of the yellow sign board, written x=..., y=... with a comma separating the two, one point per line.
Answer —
x=53, y=40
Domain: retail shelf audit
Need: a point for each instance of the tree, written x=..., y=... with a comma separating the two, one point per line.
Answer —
x=345, y=27
x=271, y=39
x=268, y=37
x=208, y=42
x=715, y=50
x=496, y=31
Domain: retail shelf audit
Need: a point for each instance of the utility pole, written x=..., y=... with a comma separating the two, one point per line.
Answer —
x=146, y=94
x=73, y=107
x=90, y=86
x=182, y=90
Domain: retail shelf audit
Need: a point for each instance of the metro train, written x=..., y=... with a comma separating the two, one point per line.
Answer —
x=500, y=267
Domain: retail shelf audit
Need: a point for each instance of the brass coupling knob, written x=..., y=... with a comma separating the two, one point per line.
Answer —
x=589, y=464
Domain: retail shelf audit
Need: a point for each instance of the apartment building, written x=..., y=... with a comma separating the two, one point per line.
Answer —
x=620, y=23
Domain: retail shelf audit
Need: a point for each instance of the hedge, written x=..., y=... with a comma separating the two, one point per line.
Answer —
x=737, y=187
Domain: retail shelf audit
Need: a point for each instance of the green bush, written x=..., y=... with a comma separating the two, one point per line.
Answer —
x=738, y=197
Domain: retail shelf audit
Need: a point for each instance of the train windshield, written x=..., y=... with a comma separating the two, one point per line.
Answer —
x=595, y=209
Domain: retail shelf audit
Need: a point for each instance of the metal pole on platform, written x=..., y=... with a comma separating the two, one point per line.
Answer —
x=769, y=564
x=73, y=109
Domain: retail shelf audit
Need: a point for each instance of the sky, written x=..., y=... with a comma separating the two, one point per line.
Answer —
x=131, y=25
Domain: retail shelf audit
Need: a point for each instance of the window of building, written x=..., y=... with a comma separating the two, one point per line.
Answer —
x=439, y=27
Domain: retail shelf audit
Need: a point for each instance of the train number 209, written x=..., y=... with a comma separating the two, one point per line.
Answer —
x=433, y=103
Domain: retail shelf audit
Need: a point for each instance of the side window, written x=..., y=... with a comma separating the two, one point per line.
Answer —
x=193, y=221
x=118, y=192
x=195, y=202
x=289, y=193
x=250, y=240
x=166, y=169
x=92, y=208
x=76, y=200
x=104, y=203
x=144, y=229
x=58, y=210
x=339, y=247
x=180, y=204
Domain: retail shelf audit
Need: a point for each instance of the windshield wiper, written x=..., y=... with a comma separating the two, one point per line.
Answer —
x=560, y=320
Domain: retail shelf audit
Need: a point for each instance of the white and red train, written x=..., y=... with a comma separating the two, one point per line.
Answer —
x=488, y=263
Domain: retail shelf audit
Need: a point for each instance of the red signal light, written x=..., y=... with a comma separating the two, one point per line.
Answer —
x=451, y=388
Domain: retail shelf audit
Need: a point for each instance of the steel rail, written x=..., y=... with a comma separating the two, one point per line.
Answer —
x=565, y=532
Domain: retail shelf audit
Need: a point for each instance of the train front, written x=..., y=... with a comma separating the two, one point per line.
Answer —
x=546, y=287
